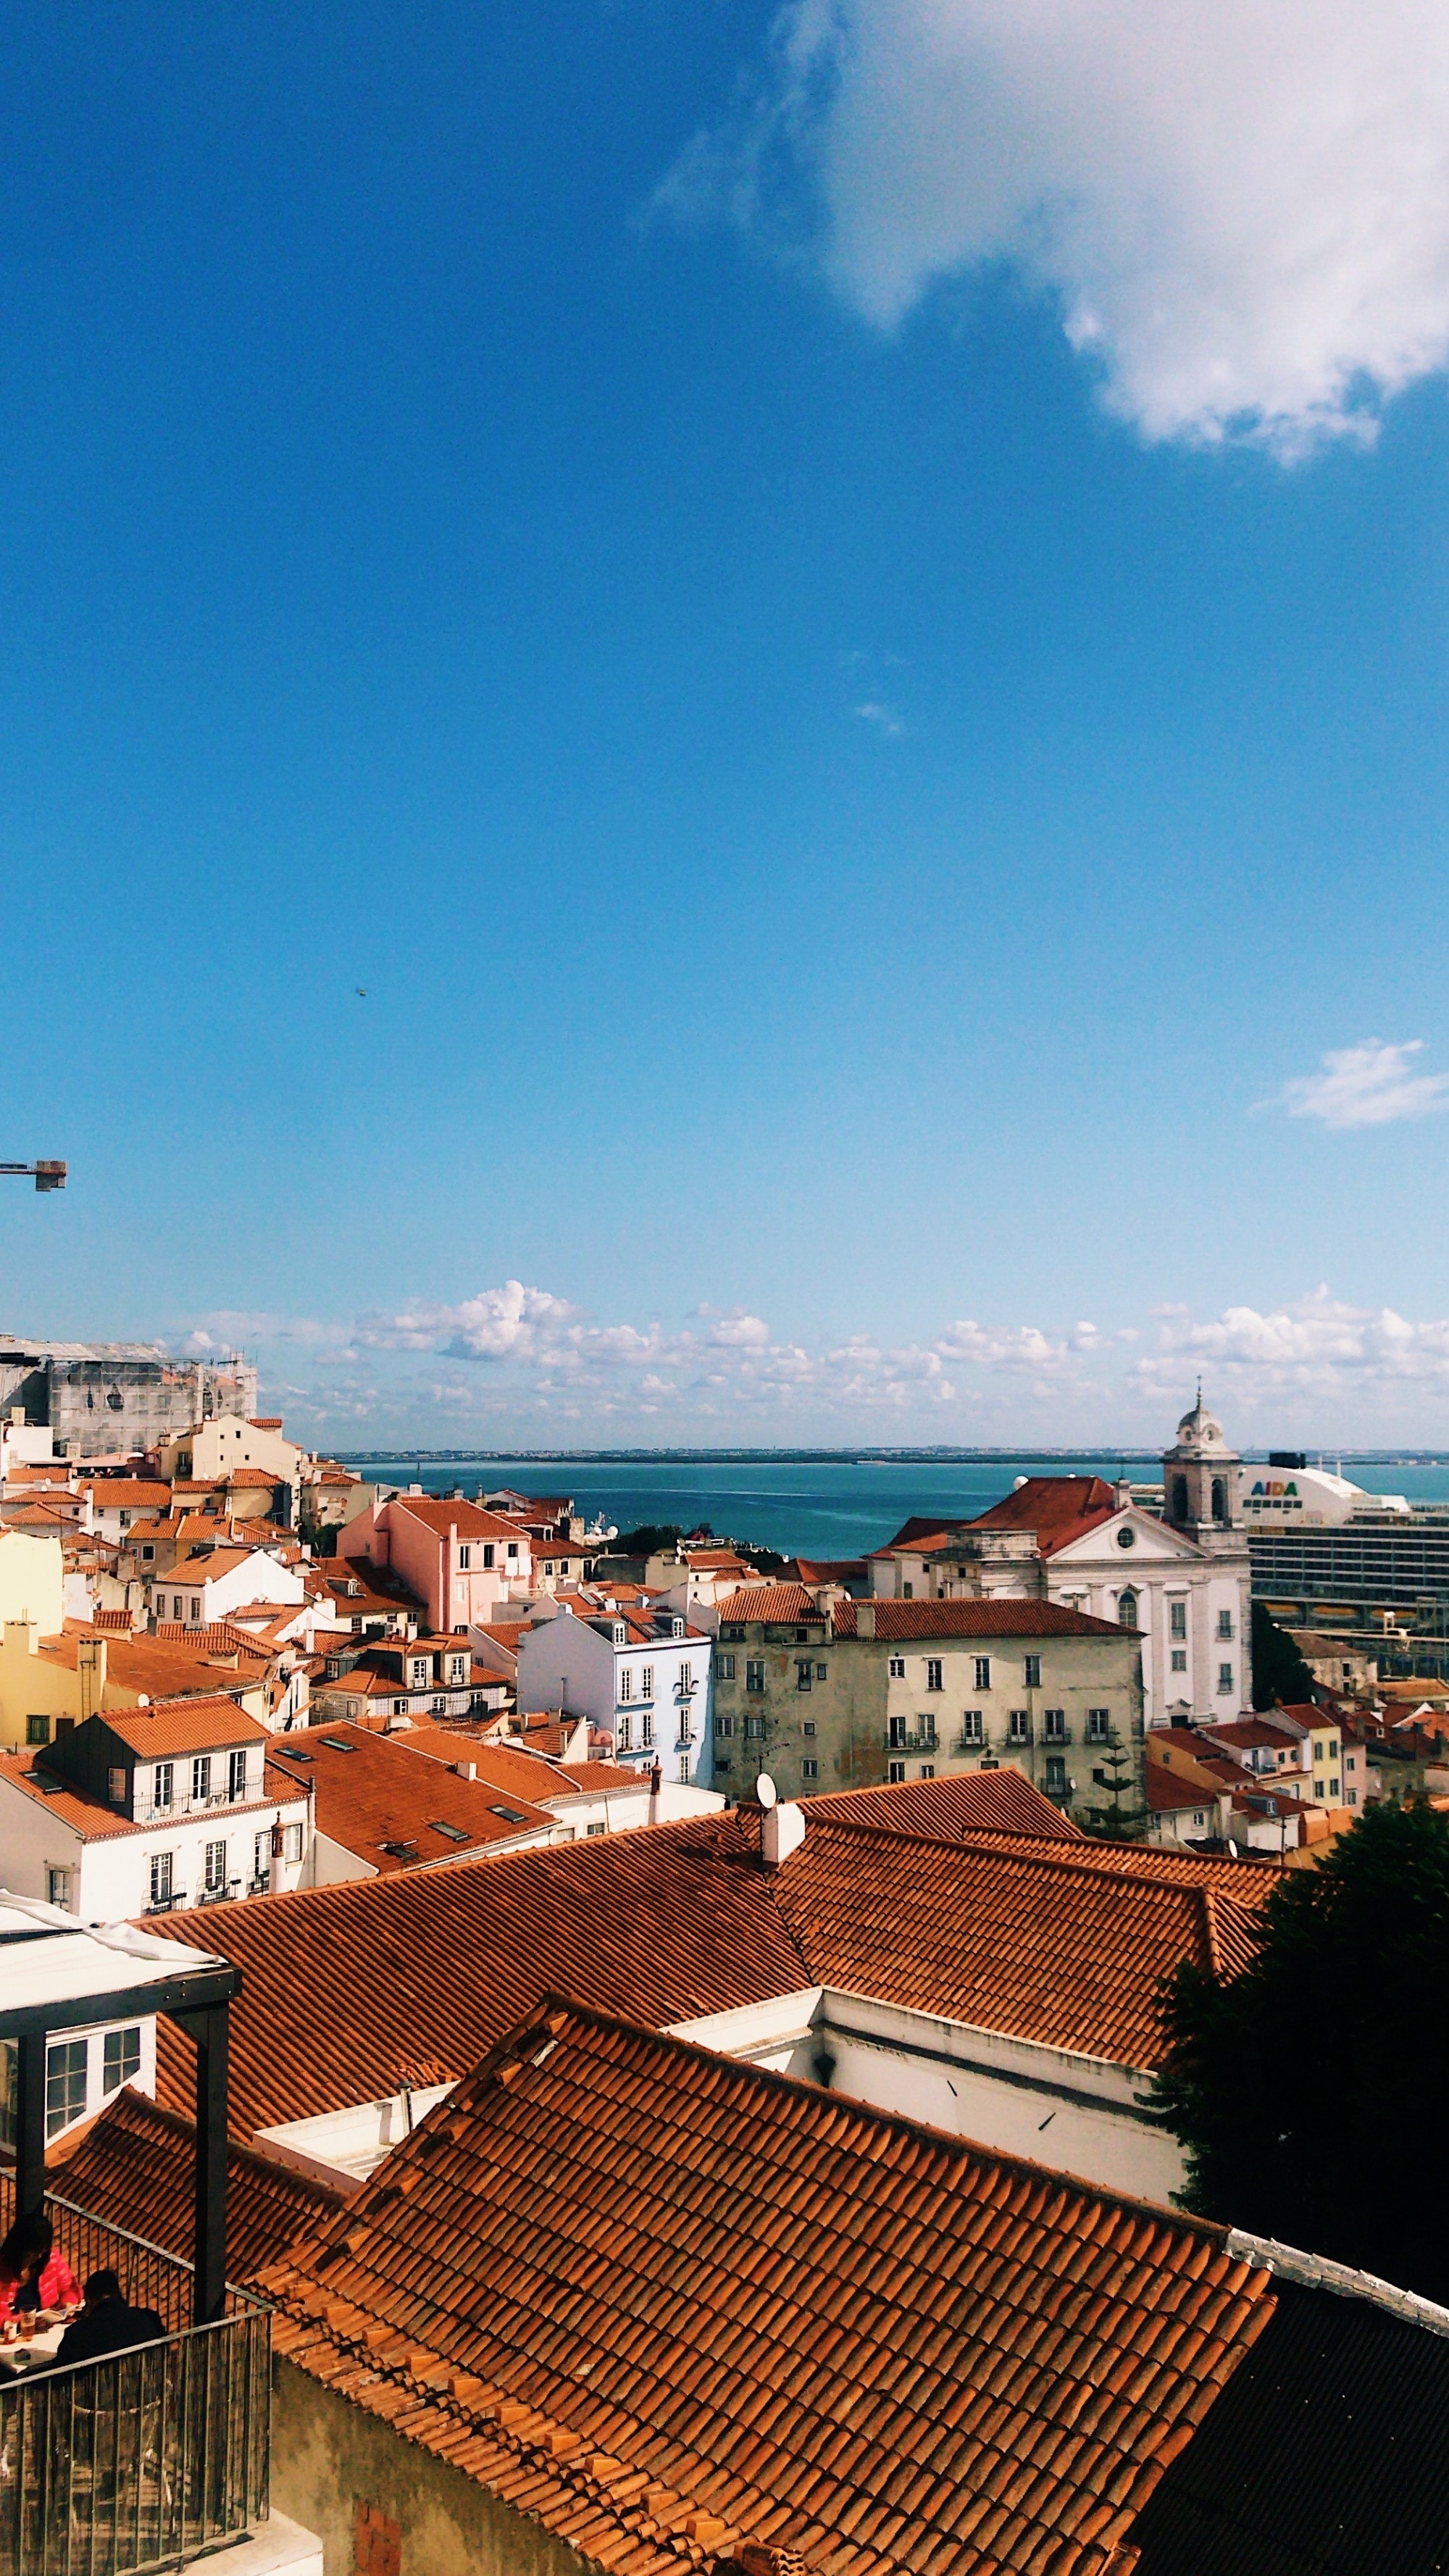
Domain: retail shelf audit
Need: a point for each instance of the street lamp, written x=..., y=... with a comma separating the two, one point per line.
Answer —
x=46, y=1176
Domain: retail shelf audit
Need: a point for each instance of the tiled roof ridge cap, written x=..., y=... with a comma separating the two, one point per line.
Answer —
x=1063, y=1854
x=1320, y=2272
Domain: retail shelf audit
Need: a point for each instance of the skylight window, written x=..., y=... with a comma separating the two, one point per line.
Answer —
x=454, y=1833
x=510, y=1815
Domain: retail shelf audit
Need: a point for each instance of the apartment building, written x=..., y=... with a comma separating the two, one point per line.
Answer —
x=837, y=1694
x=641, y=1676
x=460, y=1561
x=149, y=1811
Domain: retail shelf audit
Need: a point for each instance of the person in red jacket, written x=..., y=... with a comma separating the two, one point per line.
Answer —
x=34, y=2278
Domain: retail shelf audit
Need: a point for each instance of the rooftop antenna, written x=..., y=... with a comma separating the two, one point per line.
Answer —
x=46, y=1176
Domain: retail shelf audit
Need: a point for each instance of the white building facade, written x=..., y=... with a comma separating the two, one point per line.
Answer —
x=643, y=1679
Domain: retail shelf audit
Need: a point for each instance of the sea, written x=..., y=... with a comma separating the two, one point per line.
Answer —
x=827, y=1506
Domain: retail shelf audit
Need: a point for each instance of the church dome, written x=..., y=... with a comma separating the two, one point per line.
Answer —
x=1200, y=1429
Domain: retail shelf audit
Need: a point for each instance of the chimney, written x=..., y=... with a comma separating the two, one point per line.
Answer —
x=1122, y=1488
x=656, y=1782
x=782, y=1833
x=865, y=1618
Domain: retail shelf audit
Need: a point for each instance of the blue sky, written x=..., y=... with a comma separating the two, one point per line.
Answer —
x=856, y=763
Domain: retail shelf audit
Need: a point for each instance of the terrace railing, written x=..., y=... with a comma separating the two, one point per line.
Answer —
x=148, y=2459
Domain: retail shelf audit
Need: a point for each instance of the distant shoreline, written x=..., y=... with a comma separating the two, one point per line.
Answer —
x=833, y=1457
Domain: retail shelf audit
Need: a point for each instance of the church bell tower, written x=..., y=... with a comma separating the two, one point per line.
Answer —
x=1202, y=1480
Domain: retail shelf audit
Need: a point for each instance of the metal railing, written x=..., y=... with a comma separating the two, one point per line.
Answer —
x=145, y=2460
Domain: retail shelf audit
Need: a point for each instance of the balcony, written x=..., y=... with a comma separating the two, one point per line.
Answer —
x=220, y=1895
x=168, y=1904
x=147, y=2459
x=921, y=1738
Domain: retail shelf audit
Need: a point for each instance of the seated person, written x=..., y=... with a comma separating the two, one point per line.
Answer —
x=107, y=2324
x=33, y=2277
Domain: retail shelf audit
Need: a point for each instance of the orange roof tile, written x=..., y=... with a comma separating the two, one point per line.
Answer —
x=818, y=2324
x=193, y=1725
x=441, y=1515
x=1058, y=1508
x=1060, y=1943
x=393, y=1806
x=956, y=1803
x=900, y=1621
x=134, y=2164
x=776, y=1603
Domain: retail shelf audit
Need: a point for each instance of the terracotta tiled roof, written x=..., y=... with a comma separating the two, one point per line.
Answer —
x=134, y=2166
x=957, y=1803
x=516, y=1774
x=192, y=1725
x=918, y=1537
x=1058, y=1508
x=84, y=1815
x=900, y=1621
x=1169, y=1792
x=774, y=1602
x=115, y=1623
x=830, y=1569
x=126, y=1493
x=813, y=2324
x=440, y=1515
x=1252, y=1732
x=1057, y=1943
x=253, y=1478
x=372, y=1791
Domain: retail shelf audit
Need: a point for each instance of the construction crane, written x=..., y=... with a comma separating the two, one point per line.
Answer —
x=46, y=1176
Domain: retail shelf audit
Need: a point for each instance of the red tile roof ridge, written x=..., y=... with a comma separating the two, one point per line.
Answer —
x=1038, y=1850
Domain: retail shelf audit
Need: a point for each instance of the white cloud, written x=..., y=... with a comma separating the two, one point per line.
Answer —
x=1318, y=1349
x=1369, y=1085
x=872, y=713
x=1243, y=209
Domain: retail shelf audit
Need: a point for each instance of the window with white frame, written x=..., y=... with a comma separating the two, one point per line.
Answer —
x=214, y=1867
x=116, y=1788
x=201, y=1779
x=724, y=1668
x=1225, y=1680
x=724, y=1724
x=465, y=1559
x=646, y=1730
x=1179, y=1659
x=895, y=1730
x=1099, y=1725
x=1054, y=1725
x=236, y=1773
x=626, y=1681
x=646, y=1681
x=292, y=1843
x=804, y=1673
x=162, y=1776
x=973, y=1727
x=1018, y=1726
x=934, y=1672
x=262, y=1854
x=895, y=1771
x=1225, y=1627
x=121, y=2057
x=161, y=1889
x=896, y=1668
x=983, y=1672
x=754, y=1673
x=809, y=1770
x=57, y=1889
x=65, y=2084
x=1177, y=1618
x=1031, y=1673
x=624, y=1732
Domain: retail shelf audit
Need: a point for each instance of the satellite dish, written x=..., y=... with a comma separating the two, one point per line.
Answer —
x=1017, y=1483
x=765, y=1790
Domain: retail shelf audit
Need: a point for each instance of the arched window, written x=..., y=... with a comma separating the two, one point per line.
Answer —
x=1220, y=1498
x=1126, y=1609
x=1179, y=1498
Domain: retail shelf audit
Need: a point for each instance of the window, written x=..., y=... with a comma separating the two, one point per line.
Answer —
x=895, y=1771
x=1031, y=1672
x=116, y=1788
x=1099, y=1725
x=1126, y=1609
x=201, y=1777
x=465, y=1559
x=820, y=1672
x=1056, y=1775
x=399, y=1708
x=646, y=1680
x=927, y=1771
x=808, y=1728
x=65, y=2084
x=1054, y=1726
x=755, y=1726
x=122, y=2057
x=161, y=1778
x=1126, y=1536
x=754, y=1675
x=724, y=1726
x=161, y=1878
x=908, y=1591
x=1333, y=1786
x=236, y=1773
x=972, y=1729
x=37, y=1730
x=1177, y=1618
x=1225, y=1679
x=1333, y=1748
x=895, y=1730
x=809, y=1770
x=646, y=1729
x=457, y=1668
x=215, y=1867
x=262, y=1854
x=419, y=1671
x=626, y=1682
x=1018, y=1726
x=804, y=1674
x=1179, y=1659
x=722, y=1762
x=57, y=1888
x=1350, y=1797
x=512, y=1545
x=1179, y=1498
x=1220, y=1498
x=488, y=1554
x=1225, y=1626
x=933, y=1673
x=624, y=1732
x=292, y=1847
x=983, y=1672
x=896, y=1668
x=724, y=1668
x=195, y=1607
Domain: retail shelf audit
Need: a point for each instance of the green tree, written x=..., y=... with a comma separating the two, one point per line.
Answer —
x=1280, y=1675
x=1310, y=2091
x=1117, y=1814
x=651, y=1538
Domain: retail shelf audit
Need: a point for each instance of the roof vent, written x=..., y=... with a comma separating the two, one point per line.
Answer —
x=782, y=1832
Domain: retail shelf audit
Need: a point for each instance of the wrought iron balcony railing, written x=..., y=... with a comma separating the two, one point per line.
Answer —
x=141, y=2462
